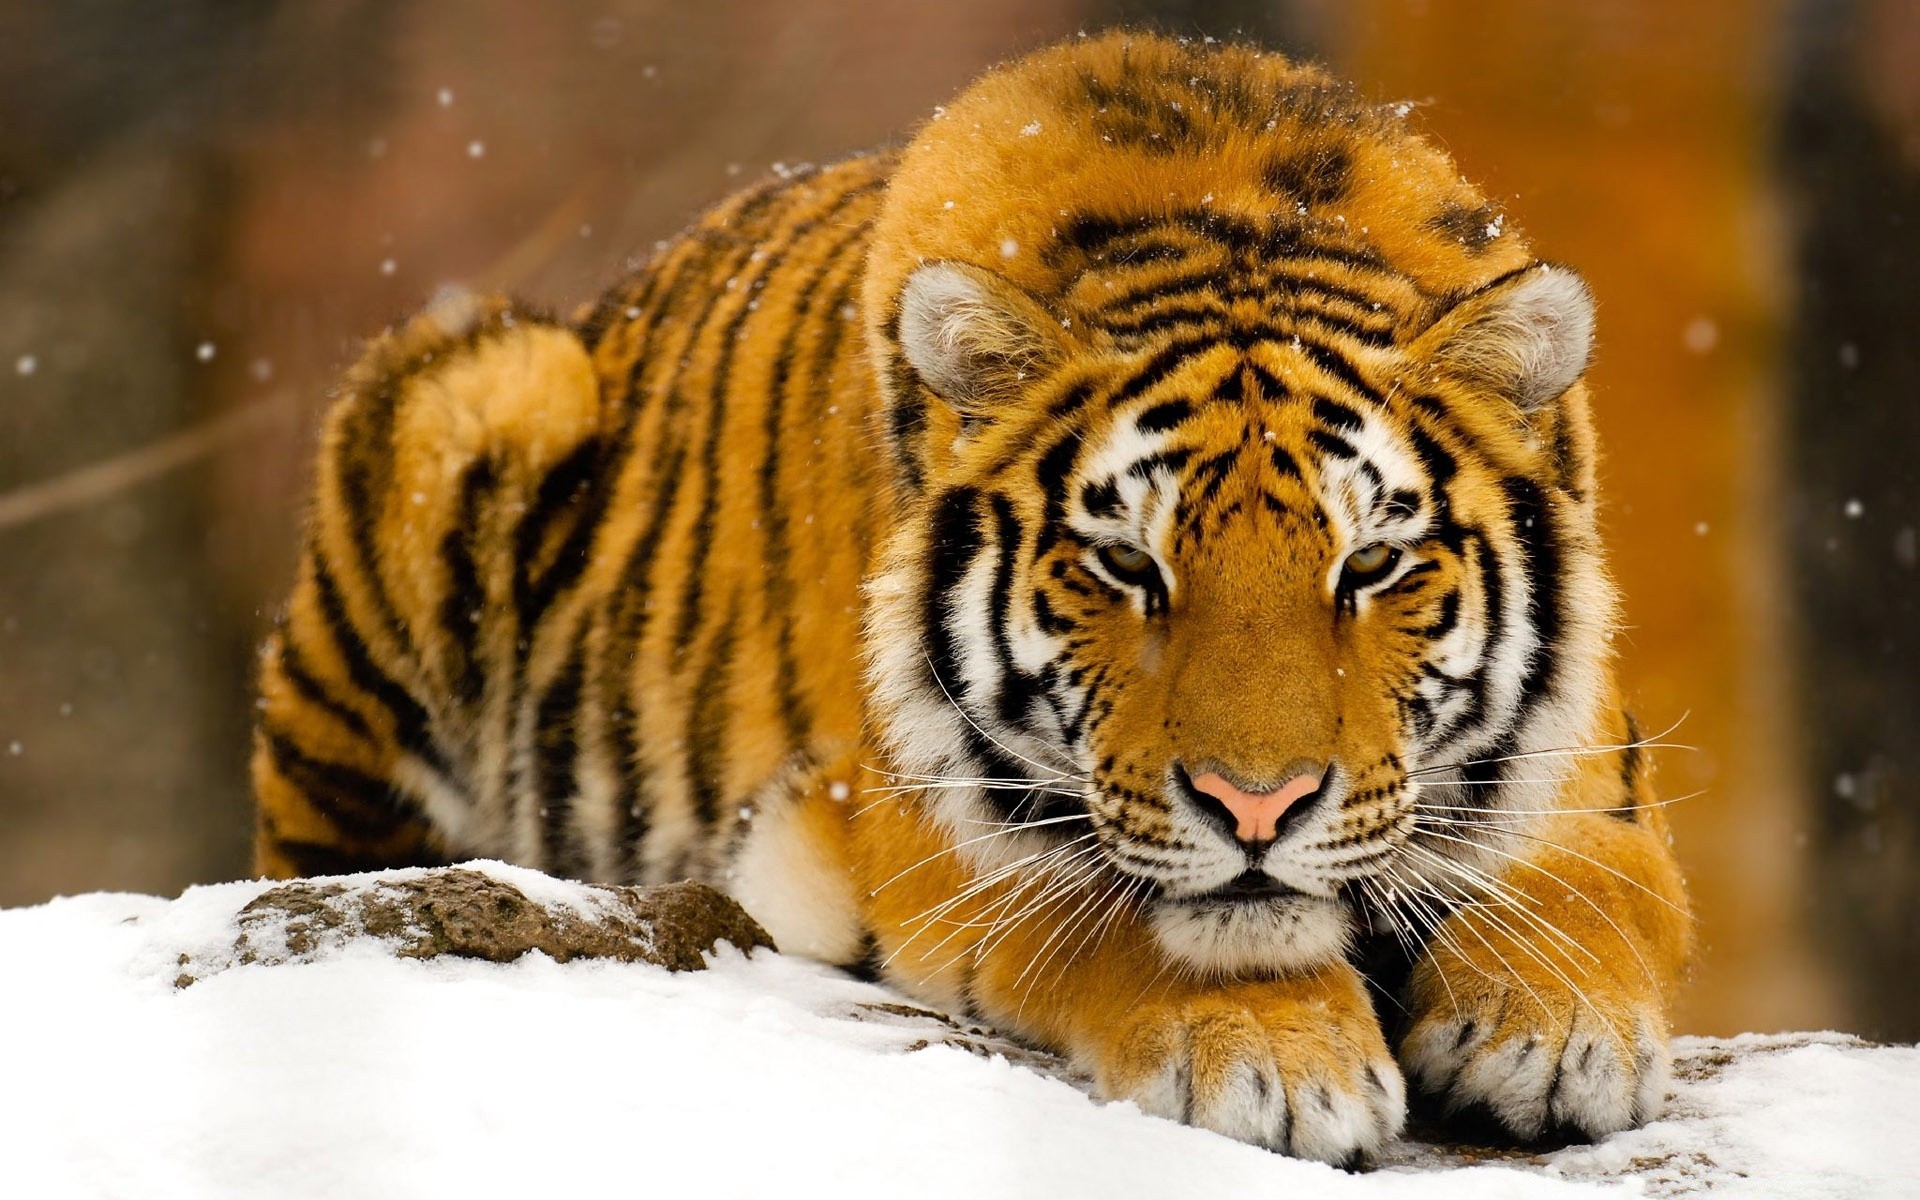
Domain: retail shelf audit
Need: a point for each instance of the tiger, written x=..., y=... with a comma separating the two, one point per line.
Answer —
x=1122, y=567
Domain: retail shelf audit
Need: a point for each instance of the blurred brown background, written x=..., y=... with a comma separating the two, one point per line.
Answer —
x=204, y=203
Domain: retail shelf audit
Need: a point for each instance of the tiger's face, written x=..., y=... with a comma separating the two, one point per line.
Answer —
x=1212, y=617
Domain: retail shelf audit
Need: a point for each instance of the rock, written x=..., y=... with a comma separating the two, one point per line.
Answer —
x=470, y=913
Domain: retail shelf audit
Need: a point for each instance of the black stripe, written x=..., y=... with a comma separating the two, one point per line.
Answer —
x=1272, y=387
x=293, y=668
x=1440, y=465
x=733, y=241
x=1473, y=228
x=1449, y=617
x=905, y=421
x=772, y=259
x=1532, y=522
x=1415, y=572
x=1208, y=476
x=693, y=584
x=1162, y=312
x=465, y=602
x=1376, y=483
x=356, y=803
x=1049, y=620
x=1632, y=757
x=1403, y=502
x=1314, y=177
x=795, y=715
x=1335, y=364
x=707, y=722
x=575, y=485
x=631, y=627
x=1332, y=445
x=1090, y=235
x=1017, y=688
x=1050, y=474
x=1283, y=463
x=1165, y=362
x=1205, y=288
x=669, y=457
x=555, y=752
x=629, y=616
x=363, y=471
x=1233, y=387
x=1100, y=499
x=1419, y=715
x=1071, y=400
x=1303, y=280
x=1493, y=588
x=632, y=803
x=409, y=718
x=1291, y=243
x=1337, y=415
x=1340, y=325
x=1164, y=416
x=957, y=540
x=1168, y=460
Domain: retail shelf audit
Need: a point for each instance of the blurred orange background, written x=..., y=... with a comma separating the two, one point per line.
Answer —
x=201, y=212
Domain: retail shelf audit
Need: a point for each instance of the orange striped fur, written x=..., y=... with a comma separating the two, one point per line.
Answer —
x=906, y=546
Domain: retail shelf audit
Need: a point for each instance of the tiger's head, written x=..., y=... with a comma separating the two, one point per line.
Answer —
x=1245, y=553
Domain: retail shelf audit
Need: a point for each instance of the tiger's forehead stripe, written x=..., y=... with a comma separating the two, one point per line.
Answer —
x=1354, y=207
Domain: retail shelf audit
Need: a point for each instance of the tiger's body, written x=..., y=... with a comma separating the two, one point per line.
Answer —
x=1105, y=568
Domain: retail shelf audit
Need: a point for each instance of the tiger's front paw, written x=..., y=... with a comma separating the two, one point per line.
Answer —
x=1543, y=1060
x=1309, y=1076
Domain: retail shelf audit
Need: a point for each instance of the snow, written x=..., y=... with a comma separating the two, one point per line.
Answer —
x=362, y=1074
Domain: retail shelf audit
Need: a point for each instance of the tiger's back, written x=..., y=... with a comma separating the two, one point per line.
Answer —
x=572, y=593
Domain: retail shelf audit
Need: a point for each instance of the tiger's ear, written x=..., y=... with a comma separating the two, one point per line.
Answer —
x=975, y=339
x=1526, y=336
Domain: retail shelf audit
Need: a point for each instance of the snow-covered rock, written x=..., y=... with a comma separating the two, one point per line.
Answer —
x=152, y=1048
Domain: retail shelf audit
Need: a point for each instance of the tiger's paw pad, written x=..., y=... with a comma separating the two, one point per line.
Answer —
x=1542, y=1075
x=1301, y=1082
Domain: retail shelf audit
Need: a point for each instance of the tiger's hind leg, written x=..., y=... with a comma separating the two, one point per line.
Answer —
x=451, y=484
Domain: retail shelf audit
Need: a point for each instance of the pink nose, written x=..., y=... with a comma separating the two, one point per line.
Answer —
x=1257, y=814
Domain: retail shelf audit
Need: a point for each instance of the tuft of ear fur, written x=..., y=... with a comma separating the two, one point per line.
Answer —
x=1526, y=336
x=972, y=337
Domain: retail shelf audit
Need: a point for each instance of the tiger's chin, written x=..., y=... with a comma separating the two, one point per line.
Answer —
x=1232, y=936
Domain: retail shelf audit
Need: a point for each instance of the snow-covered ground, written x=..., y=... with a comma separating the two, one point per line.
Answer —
x=363, y=1074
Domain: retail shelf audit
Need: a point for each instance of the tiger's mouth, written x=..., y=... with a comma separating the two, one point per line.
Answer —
x=1249, y=887
x=1252, y=926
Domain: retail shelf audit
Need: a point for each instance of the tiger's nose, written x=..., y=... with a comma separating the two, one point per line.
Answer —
x=1256, y=816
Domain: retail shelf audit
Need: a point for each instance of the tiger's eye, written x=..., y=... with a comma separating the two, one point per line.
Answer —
x=1132, y=566
x=1131, y=560
x=1368, y=564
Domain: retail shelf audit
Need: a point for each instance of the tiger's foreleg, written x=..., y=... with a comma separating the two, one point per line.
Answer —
x=1545, y=1000
x=443, y=493
x=1298, y=1064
